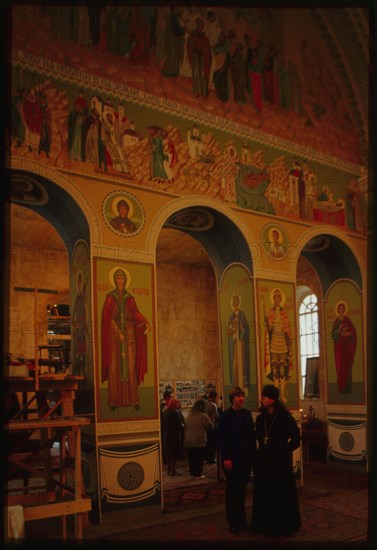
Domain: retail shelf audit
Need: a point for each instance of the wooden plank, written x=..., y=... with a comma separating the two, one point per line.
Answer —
x=47, y=382
x=25, y=489
x=58, y=509
x=50, y=480
x=36, y=424
x=31, y=499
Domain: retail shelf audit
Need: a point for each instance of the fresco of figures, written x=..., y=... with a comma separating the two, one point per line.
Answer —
x=225, y=102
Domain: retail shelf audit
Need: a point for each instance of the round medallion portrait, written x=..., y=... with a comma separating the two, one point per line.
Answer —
x=274, y=241
x=123, y=213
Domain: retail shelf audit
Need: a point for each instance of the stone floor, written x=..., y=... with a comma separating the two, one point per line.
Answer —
x=335, y=495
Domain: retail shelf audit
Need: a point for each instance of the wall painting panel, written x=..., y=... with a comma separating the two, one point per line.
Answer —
x=81, y=327
x=125, y=341
x=278, y=331
x=238, y=340
x=344, y=344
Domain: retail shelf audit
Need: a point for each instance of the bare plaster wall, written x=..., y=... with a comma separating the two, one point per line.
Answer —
x=187, y=323
x=37, y=260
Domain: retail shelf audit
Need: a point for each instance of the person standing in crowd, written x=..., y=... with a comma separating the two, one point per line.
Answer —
x=166, y=396
x=212, y=436
x=173, y=422
x=278, y=436
x=238, y=452
x=183, y=422
x=197, y=425
x=220, y=404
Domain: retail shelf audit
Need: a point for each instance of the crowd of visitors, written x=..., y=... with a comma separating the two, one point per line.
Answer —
x=259, y=452
x=193, y=436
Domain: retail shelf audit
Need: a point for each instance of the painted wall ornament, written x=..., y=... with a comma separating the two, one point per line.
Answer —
x=274, y=241
x=28, y=191
x=123, y=213
x=195, y=219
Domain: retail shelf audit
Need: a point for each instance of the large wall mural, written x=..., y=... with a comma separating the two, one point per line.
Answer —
x=125, y=341
x=278, y=340
x=344, y=344
x=189, y=100
x=238, y=333
x=82, y=325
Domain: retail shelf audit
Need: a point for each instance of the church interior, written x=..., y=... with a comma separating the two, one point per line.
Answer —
x=181, y=180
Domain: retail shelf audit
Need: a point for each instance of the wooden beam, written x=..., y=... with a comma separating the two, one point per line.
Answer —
x=57, y=509
x=38, y=473
x=31, y=499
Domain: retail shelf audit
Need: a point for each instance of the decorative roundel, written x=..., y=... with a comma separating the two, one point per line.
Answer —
x=130, y=476
x=274, y=240
x=123, y=213
x=346, y=441
x=27, y=190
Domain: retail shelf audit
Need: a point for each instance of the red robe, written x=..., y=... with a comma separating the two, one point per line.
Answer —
x=344, y=336
x=124, y=364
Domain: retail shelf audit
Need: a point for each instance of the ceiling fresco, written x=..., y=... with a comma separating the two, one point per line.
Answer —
x=346, y=34
x=255, y=106
x=326, y=57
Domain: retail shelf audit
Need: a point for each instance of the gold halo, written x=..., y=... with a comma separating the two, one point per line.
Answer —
x=112, y=271
x=338, y=304
x=280, y=240
x=115, y=206
x=282, y=296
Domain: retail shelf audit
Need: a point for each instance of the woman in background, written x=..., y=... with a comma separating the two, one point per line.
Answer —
x=197, y=425
x=173, y=424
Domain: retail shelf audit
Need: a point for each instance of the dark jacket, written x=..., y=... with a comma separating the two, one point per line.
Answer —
x=273, y=473
x=173, y=423
x=237, y=438
x=284, y=437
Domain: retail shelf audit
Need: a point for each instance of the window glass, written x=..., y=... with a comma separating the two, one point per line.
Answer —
x=309, y=334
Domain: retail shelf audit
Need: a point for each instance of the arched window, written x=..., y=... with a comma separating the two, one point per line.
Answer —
x=309, y=337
